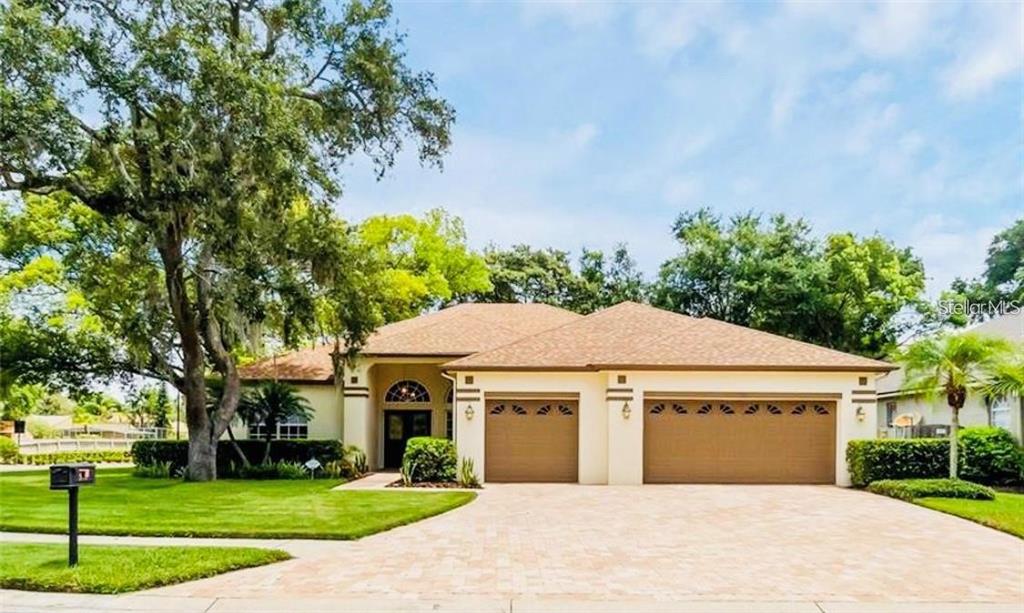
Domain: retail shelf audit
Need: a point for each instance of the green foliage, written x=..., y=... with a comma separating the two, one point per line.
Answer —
x=62, y=457
x=357, y=458
x=271, y=403
x=429, y=459
x=41, y=429
x=987, y=455
x=8, y=450
x=1005, y=513
x=275, y=470
x=990, y=455
x=149, y=407
x=1002, y=281
x=467, y=474
x=152, y=452
x=19, y=401
x=843, y=292
x=188, y=153
x=425, y=261
x=121, y=504
x=909, y=489
x=339, y=469
x=109, y=569
x=159, y=470
x=874, y=460
x=526, y=274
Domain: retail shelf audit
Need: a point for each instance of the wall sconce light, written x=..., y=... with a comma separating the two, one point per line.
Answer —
x=860, y=413
x=626, y=411
x=470, y=412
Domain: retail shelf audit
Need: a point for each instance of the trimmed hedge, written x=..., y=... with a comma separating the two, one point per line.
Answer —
x=874, y=460
x=153, y=452
x=430, y=459
x=63, y=457
x=987, y=455
x=990, y=455
x=909, y=489
x=8, y=450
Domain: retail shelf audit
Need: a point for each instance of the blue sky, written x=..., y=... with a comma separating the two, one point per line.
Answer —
x=585, y=124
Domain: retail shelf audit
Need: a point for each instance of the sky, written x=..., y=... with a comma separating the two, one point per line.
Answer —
x=588, y=124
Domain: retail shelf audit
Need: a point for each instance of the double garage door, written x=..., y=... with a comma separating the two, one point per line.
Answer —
x=529, y=440
x=685, y=441
x=739, y=441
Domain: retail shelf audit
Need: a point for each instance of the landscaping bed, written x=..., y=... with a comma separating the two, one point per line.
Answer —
x=107, y=569
x=122, y=504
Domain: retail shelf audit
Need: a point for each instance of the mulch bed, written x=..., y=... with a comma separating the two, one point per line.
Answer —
x=436, y=485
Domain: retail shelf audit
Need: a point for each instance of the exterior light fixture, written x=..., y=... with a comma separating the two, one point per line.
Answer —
x=860, y=413
x=470, y=412
x=626, y=411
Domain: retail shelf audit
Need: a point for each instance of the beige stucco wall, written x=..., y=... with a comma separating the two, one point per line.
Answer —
x=326, y=423
x=611, y=445
x=936, y=412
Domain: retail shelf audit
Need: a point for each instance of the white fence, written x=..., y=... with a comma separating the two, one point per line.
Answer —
x=73, y=444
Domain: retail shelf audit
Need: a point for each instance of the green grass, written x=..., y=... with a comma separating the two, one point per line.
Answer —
x=107, y=569
x=121, y=504
x=1005, y=513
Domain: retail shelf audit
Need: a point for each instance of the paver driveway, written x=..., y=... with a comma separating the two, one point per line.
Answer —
x=690, y=542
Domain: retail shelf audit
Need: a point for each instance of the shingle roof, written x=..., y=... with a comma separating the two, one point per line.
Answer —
x=455, y=331
x=633, y=336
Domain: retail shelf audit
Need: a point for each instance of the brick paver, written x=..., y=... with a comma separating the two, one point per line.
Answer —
x=686, y=542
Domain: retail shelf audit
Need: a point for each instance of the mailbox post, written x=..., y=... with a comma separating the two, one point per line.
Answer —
x=69, y=477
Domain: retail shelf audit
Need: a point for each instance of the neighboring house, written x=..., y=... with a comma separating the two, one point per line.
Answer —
x=627, y=395
x=1003, y=412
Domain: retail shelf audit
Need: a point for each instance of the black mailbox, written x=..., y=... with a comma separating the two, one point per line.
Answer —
x=68, y=476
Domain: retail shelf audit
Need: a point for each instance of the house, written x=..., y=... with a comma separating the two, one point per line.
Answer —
x=627, y=395
x=934, y=414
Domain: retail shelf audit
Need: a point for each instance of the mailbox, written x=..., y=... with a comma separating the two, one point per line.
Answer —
x=69, y=476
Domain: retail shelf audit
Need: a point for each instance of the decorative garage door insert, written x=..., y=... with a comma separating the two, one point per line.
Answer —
x=739, y=441
x=531, y=440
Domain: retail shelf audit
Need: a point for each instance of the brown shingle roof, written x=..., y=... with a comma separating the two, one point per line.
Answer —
x=455, y=331
x=634, y=336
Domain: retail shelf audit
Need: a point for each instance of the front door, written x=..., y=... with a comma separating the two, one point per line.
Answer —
x=399, y=427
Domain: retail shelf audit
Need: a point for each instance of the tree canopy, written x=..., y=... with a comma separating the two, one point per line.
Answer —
x=999, y=288
x=527, y=274
x=844, y=292
x=191, y=151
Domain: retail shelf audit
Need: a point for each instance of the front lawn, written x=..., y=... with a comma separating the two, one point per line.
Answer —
x=121, y=504
x=1005, y=513
x=107, y=569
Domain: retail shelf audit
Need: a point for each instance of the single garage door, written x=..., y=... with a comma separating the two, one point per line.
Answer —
x=739, y=441
x=531, y=440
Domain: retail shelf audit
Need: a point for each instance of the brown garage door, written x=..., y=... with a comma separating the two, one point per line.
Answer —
x=731, y=441
x=531, y=440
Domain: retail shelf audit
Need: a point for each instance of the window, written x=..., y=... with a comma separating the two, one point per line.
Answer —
x=1000, y=413
x=450, y=396
x=407, y=391
x=292, y=428
x=890, y=412
x=449, y=425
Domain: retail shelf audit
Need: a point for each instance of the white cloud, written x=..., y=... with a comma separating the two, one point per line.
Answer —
x=577, y=14
x=868, y=84
x=583, y=135
x=663, y=29
x=950, y=248
x=869, y=130
x=894, y=28
x=994, y=51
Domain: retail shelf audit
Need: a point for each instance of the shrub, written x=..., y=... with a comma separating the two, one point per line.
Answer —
x=357, y=458
x=64, y=457
x=8, y=450
x=339, y=469
x=291, y=470
x=41, y=429
x=987, y=455
x=160, y=470
x=467, y=474
x=990, y=456
x=150, y=452
x=909, y=489
x=430, y=459
x=873, y=460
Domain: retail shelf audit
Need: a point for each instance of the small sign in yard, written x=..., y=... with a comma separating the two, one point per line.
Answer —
x=311, y=465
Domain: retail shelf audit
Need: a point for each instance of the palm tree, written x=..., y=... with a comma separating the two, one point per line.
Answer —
x=952, y=365
x=1006, y=377
x=271, y=403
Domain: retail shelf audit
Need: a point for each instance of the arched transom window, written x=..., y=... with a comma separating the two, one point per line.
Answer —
x=407, y=391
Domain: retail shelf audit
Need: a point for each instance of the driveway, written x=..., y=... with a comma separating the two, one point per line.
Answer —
x=686, y=542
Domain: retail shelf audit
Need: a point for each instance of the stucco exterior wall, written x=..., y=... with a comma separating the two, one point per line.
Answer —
x=936, y=412
x=611, y=444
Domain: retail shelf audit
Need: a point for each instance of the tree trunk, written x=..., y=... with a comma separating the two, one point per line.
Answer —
x=238, y=449
x=954, y=443
x=202, y=456
x=269, y=426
